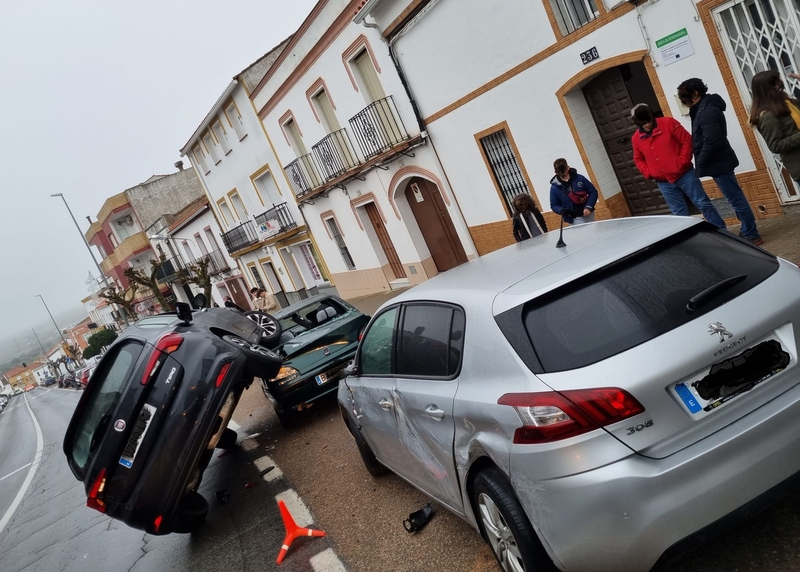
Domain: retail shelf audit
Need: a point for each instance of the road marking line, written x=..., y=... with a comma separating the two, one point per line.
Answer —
x=234, y=425
x=249, y=445
x=298, y=509
x=265, y=462
x=327, y=561
x=17, y=471
x=32, y=471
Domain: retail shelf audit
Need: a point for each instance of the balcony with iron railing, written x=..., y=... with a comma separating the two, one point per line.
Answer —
x=240, y=237
x=275, y=221
x=216, y=262
x=335, y=154
x=170, y=270
x=378, y=127
x=303, y=175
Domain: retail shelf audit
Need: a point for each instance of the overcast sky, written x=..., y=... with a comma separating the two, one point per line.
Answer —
x=96, y=97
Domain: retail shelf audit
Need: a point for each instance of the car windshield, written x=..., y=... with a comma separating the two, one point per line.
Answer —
x=636, y=299
x=305, y=318
x=106, y=389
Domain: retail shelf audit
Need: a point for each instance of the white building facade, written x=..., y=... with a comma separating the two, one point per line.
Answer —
x=505, y=88
x=370, y=186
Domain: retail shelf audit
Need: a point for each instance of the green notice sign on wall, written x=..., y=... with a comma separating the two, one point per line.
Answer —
x=677, y=46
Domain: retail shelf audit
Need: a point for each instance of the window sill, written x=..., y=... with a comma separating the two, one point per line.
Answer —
x=208, y=172
x=243, y=137
x=228, y=152
x=218, y=162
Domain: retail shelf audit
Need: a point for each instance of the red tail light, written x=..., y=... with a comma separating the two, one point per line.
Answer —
x=361, y=333
x=222, y=373
x=94, y=501
x=157, y=522
x=165, y=345
x=552, y=416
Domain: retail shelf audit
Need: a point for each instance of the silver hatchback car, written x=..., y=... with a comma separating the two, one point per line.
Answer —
x=599, y=407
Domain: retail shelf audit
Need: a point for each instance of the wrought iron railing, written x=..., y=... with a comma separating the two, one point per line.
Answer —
x=240, y=237
x=275, y=221
x=216, y=262
x=303, y=175
x=335, y=154
x=378, y=127
x=170, y=270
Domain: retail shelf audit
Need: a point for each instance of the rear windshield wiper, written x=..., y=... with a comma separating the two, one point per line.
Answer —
x=698, y=300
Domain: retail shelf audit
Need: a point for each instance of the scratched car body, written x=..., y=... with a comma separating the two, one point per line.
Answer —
x=599, y=407
x=157, y=405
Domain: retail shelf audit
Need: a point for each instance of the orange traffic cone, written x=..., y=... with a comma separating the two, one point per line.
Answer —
x=292, y=531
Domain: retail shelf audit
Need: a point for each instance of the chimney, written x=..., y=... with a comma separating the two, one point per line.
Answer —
x=89, y=219
x=179, y=165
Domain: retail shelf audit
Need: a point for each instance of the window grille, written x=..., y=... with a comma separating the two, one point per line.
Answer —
x=339, y=240
x=505, y=167
x=573, y=14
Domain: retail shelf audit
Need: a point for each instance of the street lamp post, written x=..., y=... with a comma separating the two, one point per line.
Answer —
x=86, y=242
x=63, y=339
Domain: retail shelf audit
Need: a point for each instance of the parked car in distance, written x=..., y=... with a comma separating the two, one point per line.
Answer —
x=48, y=381
x=158, y=405
x=599, y=407
x=86, y=375
x=318, y=340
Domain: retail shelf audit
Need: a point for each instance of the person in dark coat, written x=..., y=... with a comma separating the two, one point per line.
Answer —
x=572, y=195
x=773, y=114
x=713, y=155
x=528, y=220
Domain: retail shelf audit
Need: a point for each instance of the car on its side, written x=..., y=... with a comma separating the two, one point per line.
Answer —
x=158, y=405
x=599, y=407
x=318, y=338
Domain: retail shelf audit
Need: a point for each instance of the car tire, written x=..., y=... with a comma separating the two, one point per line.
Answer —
x=261, y=362
x=192, y=513
x=504, y=525
x=271, y=327
x=371, y=462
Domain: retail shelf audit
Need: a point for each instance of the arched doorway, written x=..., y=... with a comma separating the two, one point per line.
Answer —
x=435, y=224
x=610, y=97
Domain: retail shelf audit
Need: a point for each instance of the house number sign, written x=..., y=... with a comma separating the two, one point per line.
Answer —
x=589, y=55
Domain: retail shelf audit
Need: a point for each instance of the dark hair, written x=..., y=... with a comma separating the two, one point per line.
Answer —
x=767, y=97
x=253, y=290
x=687, y=88
x=260, y=290
x=561, y=166
x=526, y=201
x=641, y=114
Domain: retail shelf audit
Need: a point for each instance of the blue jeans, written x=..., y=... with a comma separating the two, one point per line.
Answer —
x=689, y=184
x=733, y=192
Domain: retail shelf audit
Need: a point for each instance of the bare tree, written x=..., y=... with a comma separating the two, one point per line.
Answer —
x=123, y=298
x=198, y=275
x=137, y=276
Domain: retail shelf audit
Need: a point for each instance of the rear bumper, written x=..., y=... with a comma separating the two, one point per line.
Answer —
x=629, y=515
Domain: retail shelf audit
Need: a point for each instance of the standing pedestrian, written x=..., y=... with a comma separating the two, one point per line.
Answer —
x=713, y=155
x=528, y=220
x=254, y=297
x=265, y=302
x=572, y=195
x=662, y=151
x=777, y=118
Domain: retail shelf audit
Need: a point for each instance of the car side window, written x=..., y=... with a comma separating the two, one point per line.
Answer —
x=377, y=345
x=431, y=340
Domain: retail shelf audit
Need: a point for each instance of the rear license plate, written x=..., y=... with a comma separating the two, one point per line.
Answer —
x=321, y=378
x=136, y=438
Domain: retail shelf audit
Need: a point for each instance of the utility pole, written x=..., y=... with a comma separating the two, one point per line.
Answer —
x=63, y=339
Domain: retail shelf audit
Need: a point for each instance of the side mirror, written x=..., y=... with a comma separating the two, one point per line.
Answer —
x=184, y=312
x=199, y=301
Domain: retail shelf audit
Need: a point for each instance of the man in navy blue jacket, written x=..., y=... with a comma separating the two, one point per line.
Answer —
x=572, y=196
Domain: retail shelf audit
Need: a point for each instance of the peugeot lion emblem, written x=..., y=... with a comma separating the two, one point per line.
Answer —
x=718, y=328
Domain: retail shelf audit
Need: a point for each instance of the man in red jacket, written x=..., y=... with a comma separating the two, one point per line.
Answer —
x=662, y=151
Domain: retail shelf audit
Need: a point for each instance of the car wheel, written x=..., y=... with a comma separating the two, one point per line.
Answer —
x=261, y=362
x=271, y=326
x=371, y=462
x=504, y=525
x=192, y=513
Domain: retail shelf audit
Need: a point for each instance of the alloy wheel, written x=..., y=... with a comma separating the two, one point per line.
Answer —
x=500, y=537
x=267, y=323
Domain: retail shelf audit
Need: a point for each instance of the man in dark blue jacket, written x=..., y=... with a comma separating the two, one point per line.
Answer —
x=713, y=155
x=572, y=196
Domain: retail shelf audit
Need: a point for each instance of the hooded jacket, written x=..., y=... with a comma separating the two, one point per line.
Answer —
x=561, y=204
x=664, y=154
x=713, y=154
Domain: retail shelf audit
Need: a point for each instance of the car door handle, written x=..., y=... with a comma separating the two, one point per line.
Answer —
x=434, y=412
x=385, y=404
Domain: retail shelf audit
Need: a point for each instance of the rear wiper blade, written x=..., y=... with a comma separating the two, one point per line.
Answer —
x=696, y=301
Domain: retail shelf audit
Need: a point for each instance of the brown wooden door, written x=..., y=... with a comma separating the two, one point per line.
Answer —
x=435, y=224
x=385, y=240
x=610, y=104
x=237, y=291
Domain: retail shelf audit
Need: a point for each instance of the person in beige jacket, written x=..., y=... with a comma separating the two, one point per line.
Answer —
x=265, y=302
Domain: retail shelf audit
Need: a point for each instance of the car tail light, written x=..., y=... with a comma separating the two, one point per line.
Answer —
x=157, y=522
x=222, y=373
x=165, y=345
x=361, y=333
x=94, y=501
x=551, y=416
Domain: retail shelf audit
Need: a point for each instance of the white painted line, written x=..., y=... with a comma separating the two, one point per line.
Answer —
x=327, y=561
x=32, y=471
x=234, y=425
x=297, y=508
x=17, y=471
x=249, y=445
x=265, y=462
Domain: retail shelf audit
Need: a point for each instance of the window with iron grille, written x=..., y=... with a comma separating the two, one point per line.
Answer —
x=573, y=14
x=505, y=167
x=339, y=240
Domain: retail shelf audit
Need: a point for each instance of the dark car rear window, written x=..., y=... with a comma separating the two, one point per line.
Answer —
x=106, y=387
x=638, y=298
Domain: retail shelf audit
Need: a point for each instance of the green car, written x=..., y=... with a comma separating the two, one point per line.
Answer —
x=318, y=341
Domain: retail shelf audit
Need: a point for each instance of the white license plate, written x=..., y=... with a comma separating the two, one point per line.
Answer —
x=136, y=438
x=321, y=378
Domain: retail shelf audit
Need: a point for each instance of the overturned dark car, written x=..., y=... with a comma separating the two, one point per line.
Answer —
x=157, y=406
x=319, y=337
